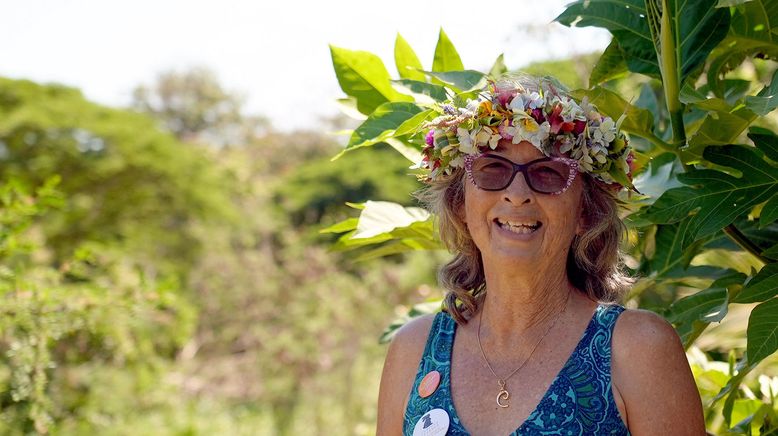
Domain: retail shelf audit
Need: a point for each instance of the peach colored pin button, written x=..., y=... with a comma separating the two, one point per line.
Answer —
x=429, y=383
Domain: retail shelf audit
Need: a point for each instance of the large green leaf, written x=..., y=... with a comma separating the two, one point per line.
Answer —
x=762, y=287
x=609, y=66
x=408, y=64
x=719, y=128
x=446, y=56
x=708, y=305
x=699, y=27
x=767, y=99
x=762, y=330
x=671, y=257
x=381, y=125
x=408, y=151
x=726, y=3
x=385, y=228
x=498, y=68
x=767, y=142
x=626, y=20
x=752, y=32
x=383, y=216
x=659, y=176
x=362, y=75
x=716, y=197
x=461, y=81
x=397, y=246
x=423, y=92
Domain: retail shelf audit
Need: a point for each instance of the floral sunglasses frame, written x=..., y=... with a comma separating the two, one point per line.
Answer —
x=572, y=164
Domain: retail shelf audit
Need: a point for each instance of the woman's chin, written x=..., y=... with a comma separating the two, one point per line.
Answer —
x=510, y=246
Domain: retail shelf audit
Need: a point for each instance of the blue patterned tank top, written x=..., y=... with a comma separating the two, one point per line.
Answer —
x=584, y=383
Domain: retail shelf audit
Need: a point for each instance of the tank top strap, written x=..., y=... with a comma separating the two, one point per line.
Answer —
x=599, y=339
x=436, y=357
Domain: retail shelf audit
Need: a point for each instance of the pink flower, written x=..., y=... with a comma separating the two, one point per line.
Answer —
x=505, y=96
x=631, y=164
x=537, y=114
x=502, y=128
x=430, y=138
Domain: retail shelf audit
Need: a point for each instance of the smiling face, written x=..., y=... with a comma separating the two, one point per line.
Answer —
x=519, y=224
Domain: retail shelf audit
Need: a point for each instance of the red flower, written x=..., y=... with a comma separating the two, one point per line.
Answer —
x=579, y=126
x=537, y=114
x=556, y=119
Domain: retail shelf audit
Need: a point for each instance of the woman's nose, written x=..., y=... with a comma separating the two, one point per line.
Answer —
x=519, y=192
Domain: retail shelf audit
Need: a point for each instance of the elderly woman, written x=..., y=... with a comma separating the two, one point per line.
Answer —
x=523, y=180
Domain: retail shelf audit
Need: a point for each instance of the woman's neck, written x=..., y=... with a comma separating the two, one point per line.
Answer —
x=517, y=301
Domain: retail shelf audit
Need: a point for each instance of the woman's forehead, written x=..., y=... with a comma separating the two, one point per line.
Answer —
x=523, y=149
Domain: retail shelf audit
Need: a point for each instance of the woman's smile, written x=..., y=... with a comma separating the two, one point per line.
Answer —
x=518, y=228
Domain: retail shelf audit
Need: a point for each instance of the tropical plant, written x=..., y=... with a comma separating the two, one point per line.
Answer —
x=703, y=234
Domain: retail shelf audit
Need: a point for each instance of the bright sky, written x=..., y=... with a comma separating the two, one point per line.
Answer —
x=275, y=53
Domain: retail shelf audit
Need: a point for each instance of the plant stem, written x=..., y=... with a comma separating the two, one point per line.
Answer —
x=745, y=243
x=668, y=62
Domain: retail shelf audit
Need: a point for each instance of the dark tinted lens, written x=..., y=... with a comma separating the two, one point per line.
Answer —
x=491, y=173
x=548, y=176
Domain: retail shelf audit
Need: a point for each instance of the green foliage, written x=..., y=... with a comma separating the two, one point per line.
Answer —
x=446, y=56
x=717, y=197
x=316, y=191
x=702, y=235
x=408, y=64
x=362, y=75
x=195, y=108
x=127, y=182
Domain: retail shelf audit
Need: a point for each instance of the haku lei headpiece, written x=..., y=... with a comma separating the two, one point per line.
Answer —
x=554, y=123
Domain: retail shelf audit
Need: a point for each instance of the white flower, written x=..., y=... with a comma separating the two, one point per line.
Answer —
x=566, y=143
x=527, y=129
x=571, y=111
x=485, y=137
x=521, y=102
x=581, y=154
x=457, y=162
x=466, y=140
x=517, y=104
x=605, y=133
x=534, y=100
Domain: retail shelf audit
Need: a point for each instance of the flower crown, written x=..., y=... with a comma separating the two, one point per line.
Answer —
x=554, y=123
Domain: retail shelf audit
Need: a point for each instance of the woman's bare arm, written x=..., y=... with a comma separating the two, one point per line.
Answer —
x=652, y=375
x=400, y=366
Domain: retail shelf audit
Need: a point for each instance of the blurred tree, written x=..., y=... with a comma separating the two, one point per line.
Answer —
x=127, y=183
x=195, y=107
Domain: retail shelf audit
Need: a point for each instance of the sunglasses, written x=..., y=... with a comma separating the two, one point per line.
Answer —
x=547, y=175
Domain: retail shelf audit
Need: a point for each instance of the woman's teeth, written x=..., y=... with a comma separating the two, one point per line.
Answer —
x=520, y=228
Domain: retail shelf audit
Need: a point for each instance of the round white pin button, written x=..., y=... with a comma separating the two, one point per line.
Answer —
x=433, y=423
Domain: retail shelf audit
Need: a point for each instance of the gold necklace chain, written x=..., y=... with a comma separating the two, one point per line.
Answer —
x=503, y=394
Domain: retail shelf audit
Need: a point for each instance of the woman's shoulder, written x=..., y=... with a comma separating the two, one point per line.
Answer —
x=638, y=329
x=412, y=336
x=400, y=367
x=651, y=374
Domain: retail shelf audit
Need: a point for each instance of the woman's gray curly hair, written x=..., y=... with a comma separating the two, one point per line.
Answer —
x=594, y=261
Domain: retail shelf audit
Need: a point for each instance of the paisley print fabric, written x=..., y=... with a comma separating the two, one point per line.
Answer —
x=578, y=402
